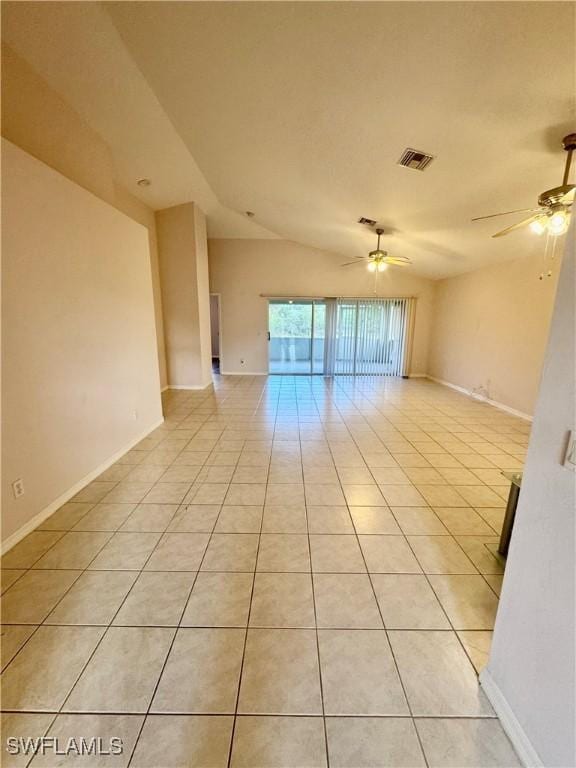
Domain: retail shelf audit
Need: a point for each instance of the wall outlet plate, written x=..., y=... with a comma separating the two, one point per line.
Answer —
x=18, y=488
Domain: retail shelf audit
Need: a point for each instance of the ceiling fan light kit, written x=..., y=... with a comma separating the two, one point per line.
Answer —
x=538, y=226
x=379, y=260
x=559, y=222
x=555, y=223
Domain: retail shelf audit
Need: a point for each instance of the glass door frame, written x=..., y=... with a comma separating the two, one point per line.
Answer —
x=359, y=359
x=314, y=303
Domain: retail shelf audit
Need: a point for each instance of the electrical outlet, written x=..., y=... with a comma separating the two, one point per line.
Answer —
x=18, y=488
x=135, y=415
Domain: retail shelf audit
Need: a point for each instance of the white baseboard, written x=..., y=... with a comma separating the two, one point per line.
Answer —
x=267, y=373
x=67, y=495
x=163, y=389
x=517, y=735
x=476, y=396
x=187, y=387
x=244, y=373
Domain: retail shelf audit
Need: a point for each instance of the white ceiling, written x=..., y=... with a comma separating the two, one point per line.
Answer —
x=299, y=111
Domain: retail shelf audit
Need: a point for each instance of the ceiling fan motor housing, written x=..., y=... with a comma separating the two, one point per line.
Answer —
x=554, y=196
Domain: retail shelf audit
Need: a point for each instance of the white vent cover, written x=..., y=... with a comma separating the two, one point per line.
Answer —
x=416, y=159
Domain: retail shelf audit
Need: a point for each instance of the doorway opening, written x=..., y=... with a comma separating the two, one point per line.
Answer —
x=337, y=336
x=215, y=331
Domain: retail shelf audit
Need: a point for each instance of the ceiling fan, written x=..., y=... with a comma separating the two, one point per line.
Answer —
x=553, y=213
x=378, y=260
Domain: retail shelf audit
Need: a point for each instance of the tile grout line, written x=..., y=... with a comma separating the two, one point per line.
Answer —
x=259, y=714
x=426, y=575
x=241, y=670
x=320, y=679
x=174, y=636
x=431, y=586
x=104, y=633
x=385, y=631
x=107, y=628
x=43, y=622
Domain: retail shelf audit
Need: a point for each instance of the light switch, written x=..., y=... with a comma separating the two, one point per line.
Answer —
x=570, y=455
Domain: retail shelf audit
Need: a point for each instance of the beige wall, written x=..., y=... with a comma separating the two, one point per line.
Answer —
x=37, y=119
x=80, y=375
x=240, y=270
x=203, y=293
x=490, y=331
x=532, y=660
x=132, y=207
x=183, y=258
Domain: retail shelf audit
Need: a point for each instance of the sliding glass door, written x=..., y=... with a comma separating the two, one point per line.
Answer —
x=370, y=336
x=318, y=336
x=296, y=336
x=351, y=337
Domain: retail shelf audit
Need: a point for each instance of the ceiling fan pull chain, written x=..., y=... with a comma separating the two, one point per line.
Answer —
x=553, y=256
x=545, y=255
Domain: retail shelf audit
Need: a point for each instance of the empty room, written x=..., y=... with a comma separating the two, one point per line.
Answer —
x=288, y=384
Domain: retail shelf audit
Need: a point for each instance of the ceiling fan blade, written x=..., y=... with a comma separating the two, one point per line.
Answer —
x=568, y=198
x=518, y=225
x=403, y=259
x=350, y=263
x=398, y=262
x=505, y=213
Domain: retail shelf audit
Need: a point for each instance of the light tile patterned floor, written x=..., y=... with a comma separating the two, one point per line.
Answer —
x=289, y=572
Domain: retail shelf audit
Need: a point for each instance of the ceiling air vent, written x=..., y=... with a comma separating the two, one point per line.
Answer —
x=368, y=222
x=414, y=158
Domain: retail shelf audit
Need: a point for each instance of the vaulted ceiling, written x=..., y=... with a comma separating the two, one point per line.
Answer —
x=299, y=112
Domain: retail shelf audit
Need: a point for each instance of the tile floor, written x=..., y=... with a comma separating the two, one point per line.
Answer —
x=289, y=572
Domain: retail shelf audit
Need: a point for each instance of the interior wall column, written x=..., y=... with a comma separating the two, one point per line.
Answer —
x=183, y=258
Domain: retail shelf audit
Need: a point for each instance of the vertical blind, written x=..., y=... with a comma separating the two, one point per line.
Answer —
x=369, y=336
